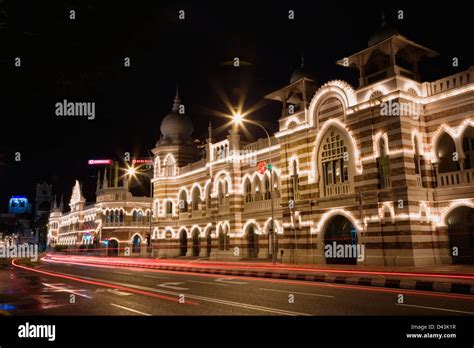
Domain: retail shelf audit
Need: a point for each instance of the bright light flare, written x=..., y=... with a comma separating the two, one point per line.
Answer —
x=131, y=171
x=237, y=118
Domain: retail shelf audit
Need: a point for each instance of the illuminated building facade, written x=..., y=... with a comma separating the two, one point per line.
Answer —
x=387, y=167
x=117, y=220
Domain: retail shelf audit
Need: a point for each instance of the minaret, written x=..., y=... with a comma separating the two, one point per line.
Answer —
x=209, y=129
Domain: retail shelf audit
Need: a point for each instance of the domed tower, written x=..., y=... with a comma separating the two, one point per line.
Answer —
x=175, y=148
x=296, y=96
x=389, y=54
x=300, y=73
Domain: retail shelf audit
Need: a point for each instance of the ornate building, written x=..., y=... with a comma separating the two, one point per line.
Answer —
x=386, y=167
x=117, y=218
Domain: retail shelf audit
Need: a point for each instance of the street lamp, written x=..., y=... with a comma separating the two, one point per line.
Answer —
x=132, y=172
x=239, y=119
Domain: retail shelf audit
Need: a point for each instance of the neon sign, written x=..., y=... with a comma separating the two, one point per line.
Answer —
x=99, y=161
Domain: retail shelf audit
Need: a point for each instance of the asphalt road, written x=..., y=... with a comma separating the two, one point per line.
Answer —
x=57, y=289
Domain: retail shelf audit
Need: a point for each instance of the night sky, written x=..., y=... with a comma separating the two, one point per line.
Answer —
x=82, y=60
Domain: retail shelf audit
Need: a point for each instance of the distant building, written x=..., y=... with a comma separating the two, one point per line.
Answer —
x=117, y=218
x=43, y=199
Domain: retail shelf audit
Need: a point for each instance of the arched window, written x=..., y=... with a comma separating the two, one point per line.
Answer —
x=183, y=201
x=196, y=196
x=335, y=164
x=140, y=217
x=257, y=189
x=170, y=166
x=223, y=193
x=266, y=181
x=446, y=148
x=383, y=162
x=468, y=147
x=248, y=191
x=169, y=207
x=121, y=216
x=107, y=217
x=134, y=216
x=148, y=216
x=418, y=160
x=117, y=217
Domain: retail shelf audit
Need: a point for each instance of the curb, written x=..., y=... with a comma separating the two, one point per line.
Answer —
x=408, y=284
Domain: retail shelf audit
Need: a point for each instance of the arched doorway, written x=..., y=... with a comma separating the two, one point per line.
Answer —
x=461, y=234
x=183, y=243
x=112, y=248
x=224, y=238
x=136, y=244
x=252, y=242
x=208, y=242
x=196, y=243
x=340, y=241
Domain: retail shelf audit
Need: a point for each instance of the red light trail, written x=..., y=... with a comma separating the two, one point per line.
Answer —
x=103, y=284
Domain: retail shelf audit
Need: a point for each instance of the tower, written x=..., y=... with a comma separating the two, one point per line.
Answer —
x=175, y=148
x=388, y=54
x=42, y=199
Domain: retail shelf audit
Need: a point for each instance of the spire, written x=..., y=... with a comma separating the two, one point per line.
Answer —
x=98, y=181
x=209, y=129
x=61, y=204
x=177, y=101
x=52, y=205
x=105, y=182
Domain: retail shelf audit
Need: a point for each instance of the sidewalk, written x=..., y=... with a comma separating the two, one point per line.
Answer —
x=440, y=278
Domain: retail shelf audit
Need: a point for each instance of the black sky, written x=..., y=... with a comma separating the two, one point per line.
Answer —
x=82, y=60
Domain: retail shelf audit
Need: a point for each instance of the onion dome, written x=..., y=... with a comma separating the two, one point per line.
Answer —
x=384, y=32
x=176, y=126
x=300, y=73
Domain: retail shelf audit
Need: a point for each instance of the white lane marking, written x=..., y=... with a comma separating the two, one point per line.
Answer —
x=154, y=277
x=210, y=283
x=202, y=298
x=114, y=291
x=61, y=289
x=434, y=308
x=124, y=273
x=131, y=310
x=295, y=292
x=118, y=292
x=172, y=286
x=230, y=281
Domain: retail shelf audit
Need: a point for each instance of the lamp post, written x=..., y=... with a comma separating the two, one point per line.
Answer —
x=132, y=172
x=238, y=119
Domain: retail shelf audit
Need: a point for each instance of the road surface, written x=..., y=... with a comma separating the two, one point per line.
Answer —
x=64, y=289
